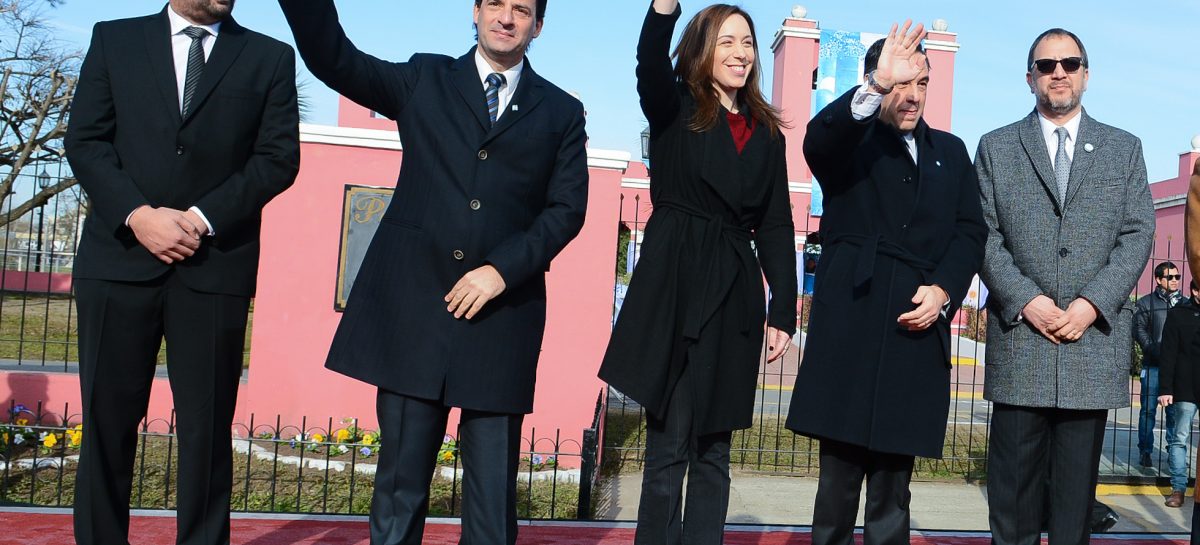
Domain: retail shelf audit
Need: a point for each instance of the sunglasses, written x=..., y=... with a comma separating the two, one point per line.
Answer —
x=1172, y=277
x=1070, y=65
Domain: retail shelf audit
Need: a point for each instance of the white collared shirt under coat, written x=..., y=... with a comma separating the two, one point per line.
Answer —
x=512, y=77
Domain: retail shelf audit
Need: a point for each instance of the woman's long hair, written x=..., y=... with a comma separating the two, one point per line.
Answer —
x=694, y=66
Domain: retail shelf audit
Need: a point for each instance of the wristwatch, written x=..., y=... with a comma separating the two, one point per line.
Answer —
x=875, y=86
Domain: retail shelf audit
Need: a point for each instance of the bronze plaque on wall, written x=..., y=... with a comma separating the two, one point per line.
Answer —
x=362, y=208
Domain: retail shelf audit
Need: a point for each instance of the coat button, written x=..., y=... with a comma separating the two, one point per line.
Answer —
x=475, y=204
x=458, y=255
x=1063, y=252
x=907, y=179
x=179, y=150
x=483, y=155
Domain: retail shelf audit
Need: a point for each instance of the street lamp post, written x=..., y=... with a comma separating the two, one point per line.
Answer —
x=43, y=182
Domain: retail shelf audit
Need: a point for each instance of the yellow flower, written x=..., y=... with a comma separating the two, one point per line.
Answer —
x=50, y=441
x=22, y=422
x=447, y=456
x=318, y=438
x=341, y=435
x=370, y=439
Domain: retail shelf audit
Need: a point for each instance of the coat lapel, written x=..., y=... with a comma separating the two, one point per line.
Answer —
x=466, y=80
x=927, y=160
x=229, y=44
x=162, y=63
x=529, y=94
x=720, y=169
x=1090, y=134
x=1035, y=147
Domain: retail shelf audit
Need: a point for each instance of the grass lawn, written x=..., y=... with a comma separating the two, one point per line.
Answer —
x=277, y=487
x=37, y=328
x=769, y=447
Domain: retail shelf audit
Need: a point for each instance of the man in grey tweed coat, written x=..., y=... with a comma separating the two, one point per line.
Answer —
x=1070, y=223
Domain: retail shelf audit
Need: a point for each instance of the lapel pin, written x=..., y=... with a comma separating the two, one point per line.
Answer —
x=1089, y=147
x=515, y=108
x=938, y=163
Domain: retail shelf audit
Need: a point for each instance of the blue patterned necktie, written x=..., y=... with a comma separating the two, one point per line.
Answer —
x=1062, y=163
x=494, y=82
x=195, y=65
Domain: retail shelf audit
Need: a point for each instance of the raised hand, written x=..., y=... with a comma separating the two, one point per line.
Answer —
x=665, y=7
x=899, y=62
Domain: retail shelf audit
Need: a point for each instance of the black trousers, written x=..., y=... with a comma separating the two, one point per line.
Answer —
x=843, y=467
x=1043, y=460
x=412, y=431
x=121, y=327
x=674, y=450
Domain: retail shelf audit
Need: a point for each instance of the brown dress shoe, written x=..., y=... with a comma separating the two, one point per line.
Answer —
x=1175, y=499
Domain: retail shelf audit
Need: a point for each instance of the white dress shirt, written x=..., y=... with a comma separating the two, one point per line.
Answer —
x=1048, y=127
x=512, y=76
x=865, y=103
x=180, y=43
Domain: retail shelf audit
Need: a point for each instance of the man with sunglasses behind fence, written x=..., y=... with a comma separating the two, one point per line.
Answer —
x=1070, y=224
x=1148, y=322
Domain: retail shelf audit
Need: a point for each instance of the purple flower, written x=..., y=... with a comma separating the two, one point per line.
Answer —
x=19, y=409
x=537, y=459
x=365, y=451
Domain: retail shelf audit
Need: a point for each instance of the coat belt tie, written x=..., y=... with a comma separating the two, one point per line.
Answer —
x=872, y=245
x=718, y=237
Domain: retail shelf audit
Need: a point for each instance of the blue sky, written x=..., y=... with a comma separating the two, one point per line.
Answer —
x=1145, y=74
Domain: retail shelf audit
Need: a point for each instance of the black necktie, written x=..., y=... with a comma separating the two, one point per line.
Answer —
x=195, y=65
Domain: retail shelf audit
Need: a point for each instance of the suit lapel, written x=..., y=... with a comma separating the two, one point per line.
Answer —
x=228, y=46
x=926, y=156
x=465, y=77
x=162, y=63
x=1035, y=147
x=1082, y=159
x=528, y=96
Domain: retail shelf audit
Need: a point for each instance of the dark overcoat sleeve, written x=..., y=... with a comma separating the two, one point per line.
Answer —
x=1171, y=345
x=831, y=137
x=655, y=78
x=384, y=87
x=529, y=252
x=776, y=243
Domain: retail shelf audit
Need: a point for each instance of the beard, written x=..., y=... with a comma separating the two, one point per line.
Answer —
x=1059, y=105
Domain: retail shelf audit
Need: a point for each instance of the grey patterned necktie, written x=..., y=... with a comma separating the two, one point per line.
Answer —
x=195, y=65
x=492, y=91
x=1062, y=163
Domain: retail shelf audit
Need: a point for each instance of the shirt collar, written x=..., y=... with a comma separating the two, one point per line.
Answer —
x=511, y=76
x=178, y=23
x=1048, y=127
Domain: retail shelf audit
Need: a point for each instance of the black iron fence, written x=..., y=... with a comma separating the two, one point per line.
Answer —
x=769, y=447
x=323, y=467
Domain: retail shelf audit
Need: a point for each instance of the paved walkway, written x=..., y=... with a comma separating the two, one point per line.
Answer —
x=757, y=499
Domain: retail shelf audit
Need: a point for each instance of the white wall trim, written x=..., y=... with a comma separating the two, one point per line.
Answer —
x=635, y=183
x=350, y=136
x=795, y=32
x=1170, y=201
x=800, y=187
x=390, y=140
x=940, y=45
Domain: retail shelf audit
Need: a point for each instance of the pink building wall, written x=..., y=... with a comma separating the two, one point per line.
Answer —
x=1169, y=201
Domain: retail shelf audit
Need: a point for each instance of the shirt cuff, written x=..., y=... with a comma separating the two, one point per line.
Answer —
x=865, y=103
x=203, y=219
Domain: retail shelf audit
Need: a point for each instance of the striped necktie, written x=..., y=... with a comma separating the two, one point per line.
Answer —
x=494, y=82
x=195, y=65
x=1062, y=163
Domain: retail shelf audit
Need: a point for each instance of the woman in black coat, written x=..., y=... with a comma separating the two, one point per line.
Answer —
x=687, y=343
x=1179, y=385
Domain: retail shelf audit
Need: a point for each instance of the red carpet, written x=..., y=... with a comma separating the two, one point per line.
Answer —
x=46, y=527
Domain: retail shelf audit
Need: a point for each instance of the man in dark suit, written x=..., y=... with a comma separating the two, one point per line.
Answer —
x=449, y=306
x=1070, y=227
x=904, y=237
x=184, y=126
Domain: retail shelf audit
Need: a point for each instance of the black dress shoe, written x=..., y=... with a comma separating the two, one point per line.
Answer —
x=1144, y=461
x=1105, y=523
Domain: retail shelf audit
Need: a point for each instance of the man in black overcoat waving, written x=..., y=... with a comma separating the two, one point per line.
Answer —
x=904, y=235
